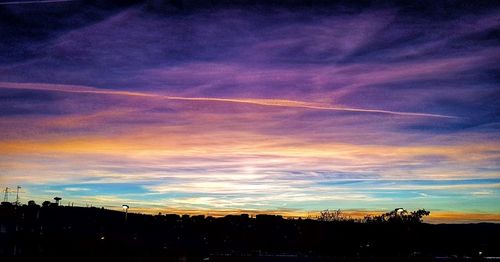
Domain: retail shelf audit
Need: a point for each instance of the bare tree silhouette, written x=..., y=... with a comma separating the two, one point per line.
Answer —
x=334, y=215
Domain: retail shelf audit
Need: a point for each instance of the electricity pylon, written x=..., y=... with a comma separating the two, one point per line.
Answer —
x=6, y=196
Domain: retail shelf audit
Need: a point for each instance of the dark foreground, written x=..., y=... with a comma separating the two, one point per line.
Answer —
x=31, y=233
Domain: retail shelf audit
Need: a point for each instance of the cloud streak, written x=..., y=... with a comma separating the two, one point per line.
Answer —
x=260, y=109
x=261, y=102
x=35, y=2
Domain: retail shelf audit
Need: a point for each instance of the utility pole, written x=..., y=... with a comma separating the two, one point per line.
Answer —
x=17, y=195
x=6, y=196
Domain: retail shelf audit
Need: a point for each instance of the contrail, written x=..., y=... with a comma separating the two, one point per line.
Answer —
x=253, y=101
x=34, y=2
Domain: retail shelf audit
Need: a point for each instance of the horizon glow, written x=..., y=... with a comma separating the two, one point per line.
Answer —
x=233, y=109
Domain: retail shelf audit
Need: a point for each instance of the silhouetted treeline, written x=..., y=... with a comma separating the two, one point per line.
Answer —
x=55, y=233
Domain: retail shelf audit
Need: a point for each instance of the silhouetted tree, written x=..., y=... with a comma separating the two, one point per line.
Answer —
x=417, y=216
x=399, y=215
x=46, y=203
x=330, y=216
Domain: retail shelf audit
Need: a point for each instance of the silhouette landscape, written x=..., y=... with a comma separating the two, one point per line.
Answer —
x=250, y=130
x=61, y=233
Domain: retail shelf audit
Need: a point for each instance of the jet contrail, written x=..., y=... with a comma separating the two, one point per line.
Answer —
x=254, y=101
x=34, y=2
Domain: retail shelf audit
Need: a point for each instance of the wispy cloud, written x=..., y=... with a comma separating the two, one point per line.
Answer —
x=261, y=102
x=34, y=2
x=232, y=110
x=75, y=189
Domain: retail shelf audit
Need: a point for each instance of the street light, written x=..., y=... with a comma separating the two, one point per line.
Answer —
x=125, y=208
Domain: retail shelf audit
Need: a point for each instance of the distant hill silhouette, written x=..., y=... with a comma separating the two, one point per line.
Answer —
x=56, y=233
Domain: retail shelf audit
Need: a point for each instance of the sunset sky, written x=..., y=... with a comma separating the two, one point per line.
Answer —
x=282, y=108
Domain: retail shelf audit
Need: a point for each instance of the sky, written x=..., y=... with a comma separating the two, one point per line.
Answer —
x=282, y=107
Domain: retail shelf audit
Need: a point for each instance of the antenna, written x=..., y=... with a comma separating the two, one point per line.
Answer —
x=6, y=196
x=17, y=195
